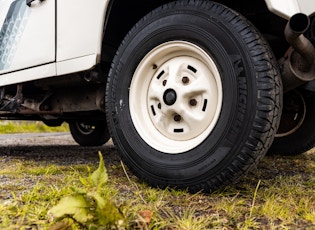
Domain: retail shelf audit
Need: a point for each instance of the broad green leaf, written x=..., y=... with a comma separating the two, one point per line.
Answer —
x=74, y=206
x=100, y=177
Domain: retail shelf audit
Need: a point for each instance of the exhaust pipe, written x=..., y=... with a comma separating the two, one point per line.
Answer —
x=298, y=64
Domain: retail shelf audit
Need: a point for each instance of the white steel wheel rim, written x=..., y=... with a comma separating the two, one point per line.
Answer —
x=175, y=97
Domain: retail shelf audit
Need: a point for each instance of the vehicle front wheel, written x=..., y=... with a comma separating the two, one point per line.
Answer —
x=89, y=133
x=193, y=97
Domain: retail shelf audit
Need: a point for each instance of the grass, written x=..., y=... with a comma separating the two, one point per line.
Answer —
x=7, y=127
x=268, y=198
x=279, y=194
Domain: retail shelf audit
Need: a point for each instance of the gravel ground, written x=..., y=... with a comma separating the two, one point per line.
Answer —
x=36, y=139
x=57, y=148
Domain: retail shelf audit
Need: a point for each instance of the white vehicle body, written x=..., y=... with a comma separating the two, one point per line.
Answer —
x=67, y=38
x=55, y=49
x=287, y=9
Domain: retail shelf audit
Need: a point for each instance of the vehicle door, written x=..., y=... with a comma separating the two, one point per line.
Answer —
x=27, y=35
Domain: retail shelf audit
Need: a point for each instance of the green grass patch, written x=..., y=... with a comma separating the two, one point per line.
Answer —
x=279, y=194
x=7, y=127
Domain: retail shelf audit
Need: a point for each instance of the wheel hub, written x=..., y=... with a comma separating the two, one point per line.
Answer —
x=169, y=97
x=180, y=97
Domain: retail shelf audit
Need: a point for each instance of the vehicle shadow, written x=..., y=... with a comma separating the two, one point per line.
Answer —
x=59, y=154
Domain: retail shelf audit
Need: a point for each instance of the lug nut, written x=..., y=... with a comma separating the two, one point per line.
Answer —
x=185, y=80
x=164, y=82
x=193, y=102
x=177, y=118
x=159, y=106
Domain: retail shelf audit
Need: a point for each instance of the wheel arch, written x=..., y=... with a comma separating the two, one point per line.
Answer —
x=116, y=28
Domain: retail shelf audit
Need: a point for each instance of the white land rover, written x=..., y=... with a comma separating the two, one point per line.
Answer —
x=191, y=91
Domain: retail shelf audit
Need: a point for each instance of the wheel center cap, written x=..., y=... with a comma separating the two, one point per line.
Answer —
x=169, y=97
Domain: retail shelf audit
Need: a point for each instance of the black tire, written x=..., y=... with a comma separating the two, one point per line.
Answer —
x=249, y=109
x=296, y=133
x=89, y=133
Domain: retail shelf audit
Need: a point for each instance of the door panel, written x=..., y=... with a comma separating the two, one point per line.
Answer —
x=86, y=23
x=27, y=35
